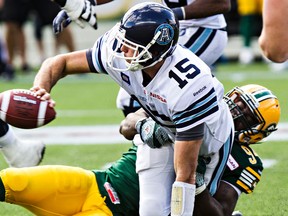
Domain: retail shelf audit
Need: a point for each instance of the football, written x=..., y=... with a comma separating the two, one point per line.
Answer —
x=22, y=109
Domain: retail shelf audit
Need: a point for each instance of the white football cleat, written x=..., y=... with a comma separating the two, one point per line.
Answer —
x=21, y=153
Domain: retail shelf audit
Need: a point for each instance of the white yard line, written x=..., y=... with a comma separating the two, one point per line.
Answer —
x=100, y=134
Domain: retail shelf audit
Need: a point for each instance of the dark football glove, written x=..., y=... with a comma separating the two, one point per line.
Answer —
x=61, y=21
x=152, y=133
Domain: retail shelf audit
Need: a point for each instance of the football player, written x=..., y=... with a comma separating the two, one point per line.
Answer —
x=63, y=190
x=202, y=23
x=202, y=29
x=18, y=152
x=173, y=85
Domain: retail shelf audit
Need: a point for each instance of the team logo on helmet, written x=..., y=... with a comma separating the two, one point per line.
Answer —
x=167, y=34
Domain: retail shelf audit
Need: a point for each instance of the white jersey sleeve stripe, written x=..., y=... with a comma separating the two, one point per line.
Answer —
x=208, y=105
x=97, y=56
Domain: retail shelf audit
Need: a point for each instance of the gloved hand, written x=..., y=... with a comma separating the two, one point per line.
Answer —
x=81, y=10
x=152, y=133
x=61, y=21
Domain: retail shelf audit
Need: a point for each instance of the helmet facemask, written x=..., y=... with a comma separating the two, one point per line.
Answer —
x=133, y=63
x=248, y=120
x=141, y=55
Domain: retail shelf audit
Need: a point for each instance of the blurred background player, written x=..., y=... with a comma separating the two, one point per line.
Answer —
x=43, y=17
x=256, y=113
x=249, y=12
x=17, y=152
x=6, y=70
x=15, y=15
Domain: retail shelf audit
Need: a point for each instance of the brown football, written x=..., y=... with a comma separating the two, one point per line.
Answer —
x=22, y=109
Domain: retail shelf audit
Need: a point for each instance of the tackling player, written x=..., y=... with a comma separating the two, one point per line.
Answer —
x=54, y=190
x=256, y=113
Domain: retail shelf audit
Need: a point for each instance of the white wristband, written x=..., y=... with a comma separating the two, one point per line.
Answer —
x=183, y=198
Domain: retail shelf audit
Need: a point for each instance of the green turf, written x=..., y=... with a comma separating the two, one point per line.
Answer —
x=87, y=100
x=269, y=198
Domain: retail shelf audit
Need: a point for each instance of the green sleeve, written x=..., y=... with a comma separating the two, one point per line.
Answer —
x=124, y=181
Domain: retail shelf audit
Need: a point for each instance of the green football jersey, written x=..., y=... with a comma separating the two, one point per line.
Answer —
x=244, y=168
x=120, y=185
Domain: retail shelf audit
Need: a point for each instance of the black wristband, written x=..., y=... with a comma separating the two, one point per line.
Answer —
x=179, y=12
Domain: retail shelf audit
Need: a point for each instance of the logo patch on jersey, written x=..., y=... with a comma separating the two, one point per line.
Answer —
x=112, y=193
x=166, y=35
x=125, y=78
x=232, y=163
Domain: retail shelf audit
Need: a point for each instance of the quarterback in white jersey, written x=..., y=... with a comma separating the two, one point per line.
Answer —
x=202, y=30
x=182, y=86
x=171, y=84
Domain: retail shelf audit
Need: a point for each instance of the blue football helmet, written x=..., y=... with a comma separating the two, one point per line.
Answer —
x=151, y=30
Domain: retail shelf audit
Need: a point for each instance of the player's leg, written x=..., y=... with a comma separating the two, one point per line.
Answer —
x=156, y=176
x=6, y=70
x=15, y=14
x=17, y=152
x=53, y=190
x=206, y=43
x=205, y=203
x=247, y=10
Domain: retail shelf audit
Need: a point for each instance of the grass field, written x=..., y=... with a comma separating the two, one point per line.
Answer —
x=90, y=100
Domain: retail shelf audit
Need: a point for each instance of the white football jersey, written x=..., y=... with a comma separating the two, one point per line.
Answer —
x=182, y=95
x=214, y=22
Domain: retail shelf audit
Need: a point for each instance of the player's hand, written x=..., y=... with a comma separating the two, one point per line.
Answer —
x=152, y=133
x=61, y=21
x=43, y=94
x=82, y=10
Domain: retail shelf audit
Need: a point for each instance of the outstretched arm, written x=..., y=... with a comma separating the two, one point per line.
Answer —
x=54, y=68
